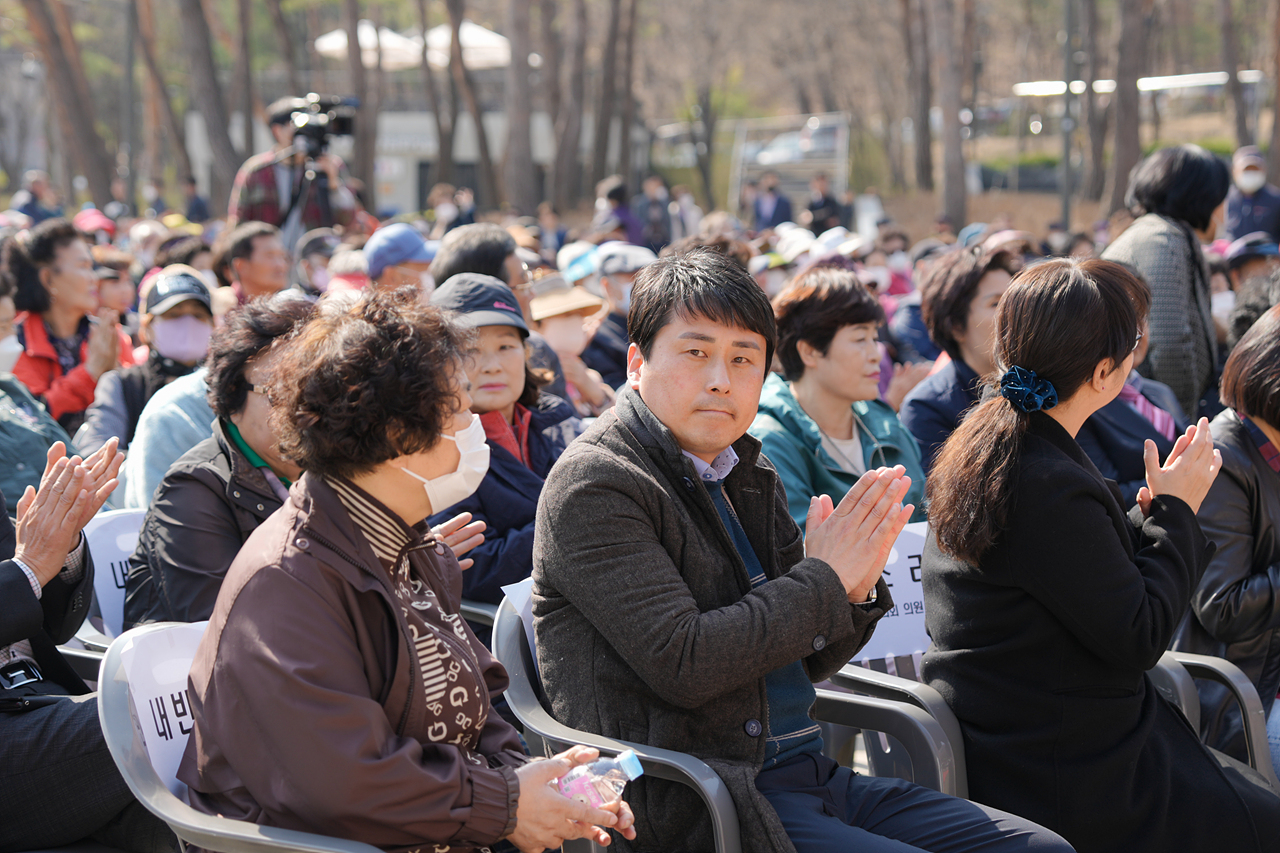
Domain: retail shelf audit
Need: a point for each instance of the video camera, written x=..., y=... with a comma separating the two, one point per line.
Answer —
x=320, y=118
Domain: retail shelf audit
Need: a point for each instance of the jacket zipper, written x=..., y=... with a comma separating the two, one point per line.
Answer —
x=400, y=621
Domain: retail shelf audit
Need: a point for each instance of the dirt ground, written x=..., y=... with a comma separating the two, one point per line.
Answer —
x=915, y=212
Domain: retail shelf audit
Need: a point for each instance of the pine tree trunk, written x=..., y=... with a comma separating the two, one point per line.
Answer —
x=518, y=158
x=608, y=85
x=285, y=40
x=916, y=35
x=146, y=46
x=74, y=111
x=628, y=94
x=1231, y=65
x=490, y=189
x=950, y=78
x=363, y=153
x=207, y=97
x=1131, y=61
x=566, y=180
x=1095, y=117
x=444, y=122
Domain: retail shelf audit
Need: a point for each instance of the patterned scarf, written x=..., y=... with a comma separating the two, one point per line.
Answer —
x=1265, y=447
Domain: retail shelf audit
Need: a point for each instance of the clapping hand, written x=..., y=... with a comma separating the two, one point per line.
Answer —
x=71, y=492
x=461, y=534
x=1188, y=472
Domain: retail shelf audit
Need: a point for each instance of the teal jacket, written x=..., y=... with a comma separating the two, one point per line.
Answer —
x=793, y=444
x=27, y=431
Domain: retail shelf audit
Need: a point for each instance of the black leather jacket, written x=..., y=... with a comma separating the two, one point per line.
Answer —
x=205, y=508
x=1235, y=612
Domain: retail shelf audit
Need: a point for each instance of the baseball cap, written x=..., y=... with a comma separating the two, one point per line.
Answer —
x=616, y=258
x=1248, y=155
x=479, y=300
x=91, y=220
x=399, y=243
x=174, y=285
x=1259, y=244
x=318, y=241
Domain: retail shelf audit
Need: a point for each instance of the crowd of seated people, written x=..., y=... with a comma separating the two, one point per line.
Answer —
x=328, y=472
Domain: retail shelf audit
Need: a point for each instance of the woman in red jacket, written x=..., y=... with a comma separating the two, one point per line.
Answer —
x=68, y=341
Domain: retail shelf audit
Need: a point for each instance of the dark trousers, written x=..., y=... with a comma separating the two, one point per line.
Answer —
x=826, y=807
x=58, y=784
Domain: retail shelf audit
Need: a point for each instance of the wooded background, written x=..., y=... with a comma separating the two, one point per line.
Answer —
x=886, y=63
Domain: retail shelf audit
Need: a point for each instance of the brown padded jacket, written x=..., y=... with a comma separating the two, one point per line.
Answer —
x=310, y=706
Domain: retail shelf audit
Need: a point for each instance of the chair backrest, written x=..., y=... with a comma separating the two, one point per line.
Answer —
x=145, y=713
x=155, y=660
x=112, y=537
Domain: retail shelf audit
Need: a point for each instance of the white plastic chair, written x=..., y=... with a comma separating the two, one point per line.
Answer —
x=112, y=538
x=148, y=724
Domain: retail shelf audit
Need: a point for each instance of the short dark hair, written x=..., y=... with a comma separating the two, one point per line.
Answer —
x=949, y=289
x=1183, y=182
x=248, y=331
x=281, y=110
x=614, y=188
x=1254, y=297
x=365, y=381
x=180, y=250
x=238, y=243
x=24, y=260
x=1251, y=376
x=701, y=283
x=480, y=247
x=736, y=250
x=816, y=305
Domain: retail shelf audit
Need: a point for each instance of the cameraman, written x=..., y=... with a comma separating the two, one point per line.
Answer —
x=266, y=183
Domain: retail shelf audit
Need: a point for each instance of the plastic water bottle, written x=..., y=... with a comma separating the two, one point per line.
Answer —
x=601, y=782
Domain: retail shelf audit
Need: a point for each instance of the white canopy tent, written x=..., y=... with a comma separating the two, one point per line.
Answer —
x=481, y=47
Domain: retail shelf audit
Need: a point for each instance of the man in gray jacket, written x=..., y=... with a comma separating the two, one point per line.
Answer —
x=677, y=604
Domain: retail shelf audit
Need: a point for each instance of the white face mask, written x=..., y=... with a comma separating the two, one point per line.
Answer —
x=473, y=463
x=319, y=279
x=210, y=279
x=446, y=211
x=899, y=262
x=879, y=276
x=624, y=303
x=1222, y=304
x=1250, y=181
x=10, y=349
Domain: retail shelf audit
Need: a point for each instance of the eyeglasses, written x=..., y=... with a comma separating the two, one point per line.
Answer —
x=1136, y=341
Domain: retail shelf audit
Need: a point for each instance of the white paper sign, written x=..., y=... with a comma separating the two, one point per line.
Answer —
x=901, y=631
x=156, y=665
x=521, y=595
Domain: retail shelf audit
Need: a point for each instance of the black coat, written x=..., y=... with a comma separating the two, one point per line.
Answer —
x=46, y=621
x=1041, y=651
x=204, y=510
x=1113, y=438
x=607, y=352
x=932, y=410
x=508, y=499
x=1235, y=612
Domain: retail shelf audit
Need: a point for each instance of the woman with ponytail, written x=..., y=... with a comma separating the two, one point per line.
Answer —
x=1047, y=601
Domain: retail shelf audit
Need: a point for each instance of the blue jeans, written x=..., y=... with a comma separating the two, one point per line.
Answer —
x=1273, y=735
x=826, y=807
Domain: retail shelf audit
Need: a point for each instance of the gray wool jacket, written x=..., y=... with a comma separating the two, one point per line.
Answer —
x=1184, y=348
x=647, y=627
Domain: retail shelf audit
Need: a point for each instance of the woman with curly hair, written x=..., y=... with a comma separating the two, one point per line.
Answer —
x=337, y=690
